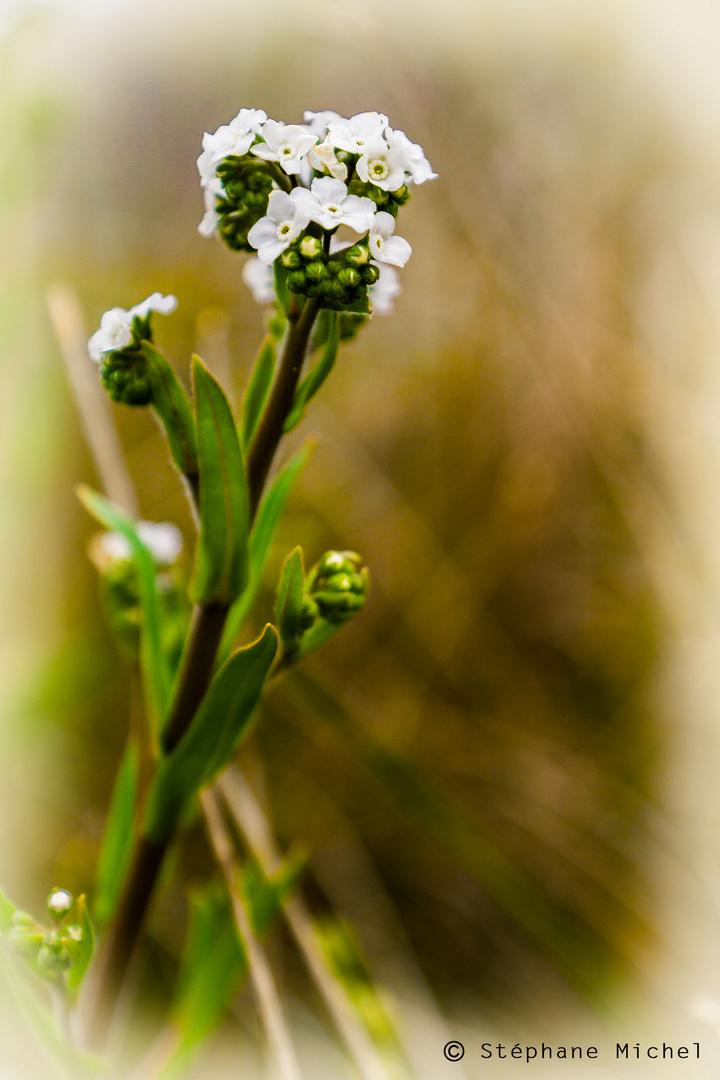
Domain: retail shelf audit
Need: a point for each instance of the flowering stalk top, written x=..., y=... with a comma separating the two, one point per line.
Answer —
x=283, y=191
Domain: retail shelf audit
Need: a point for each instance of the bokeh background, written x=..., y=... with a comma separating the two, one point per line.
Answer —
x=505, y=770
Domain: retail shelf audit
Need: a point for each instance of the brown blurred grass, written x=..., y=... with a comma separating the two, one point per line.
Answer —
x=490, y=730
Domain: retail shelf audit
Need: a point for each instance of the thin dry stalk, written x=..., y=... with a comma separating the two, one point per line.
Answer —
x=270, y=1008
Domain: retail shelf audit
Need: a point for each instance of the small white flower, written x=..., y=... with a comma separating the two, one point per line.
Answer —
x=162, y=539
x=287, y=216
x=385, y=247
x=286, y=143
x=323, y=158
x=416, y=164
x=260, y=280
x=329, y=204
x=318, y=122
x=234, y=138
x=59, y=901
x=353, y=134
x=382, y=165
x=385, y=289
x=116, y=324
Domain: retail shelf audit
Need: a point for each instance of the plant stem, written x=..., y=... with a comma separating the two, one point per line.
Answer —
x=262, y=449
x=266, y=994
x=196, y=673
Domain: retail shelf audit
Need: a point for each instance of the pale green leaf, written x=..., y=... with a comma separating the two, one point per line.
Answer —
x=156, y=676
x=221, y=559
x=258, y=389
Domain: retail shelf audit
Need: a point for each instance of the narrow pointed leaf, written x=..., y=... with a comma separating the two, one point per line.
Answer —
x=156, y=678
x=266, y=895
x=75, y=975
x=261, y=537
x=213, y=736
x=258, y=389
x=117, y=839
x=221, y=560
x=310, y=385
x=172, y=405
x=288, y=604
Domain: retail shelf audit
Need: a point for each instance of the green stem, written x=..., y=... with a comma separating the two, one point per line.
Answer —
x=196, y=673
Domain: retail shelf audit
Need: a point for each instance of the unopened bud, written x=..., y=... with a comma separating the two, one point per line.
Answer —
x=59, y=902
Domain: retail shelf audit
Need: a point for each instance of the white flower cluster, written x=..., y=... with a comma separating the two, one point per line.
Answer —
x=329, y=172
x=116, y=324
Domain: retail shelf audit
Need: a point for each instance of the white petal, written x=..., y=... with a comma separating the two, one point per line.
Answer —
x=395, y=251
x=383, y=224
x=327, y=189
x=280, y=206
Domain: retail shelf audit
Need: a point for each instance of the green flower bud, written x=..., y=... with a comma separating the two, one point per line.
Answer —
x=53, y=956
x=334, y=289
x=310, y=247
x=369, y=274
x=349, y=278
x=357, y=255
x=315, y=271
x=125, y=376
x=296, y=281
x=291, y=259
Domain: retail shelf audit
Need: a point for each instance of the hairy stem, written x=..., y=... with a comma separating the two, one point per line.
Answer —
x=196, y=673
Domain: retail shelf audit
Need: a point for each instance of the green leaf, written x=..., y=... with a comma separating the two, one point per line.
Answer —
x=213, y=964
x=288, y=604
x=265, y=896
x=221, y=559
x=39, y=1018
x=209, y=744
x=74, y=976
x=310, y=385
x=358, y=307
x=172, y=405
x=117, y=839
x=258, y=389
x=261, y=537
x=156, y=677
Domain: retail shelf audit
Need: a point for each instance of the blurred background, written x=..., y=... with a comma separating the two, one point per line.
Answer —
x=505, y=769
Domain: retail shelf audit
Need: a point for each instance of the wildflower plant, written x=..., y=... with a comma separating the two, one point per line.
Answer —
x=314, y=206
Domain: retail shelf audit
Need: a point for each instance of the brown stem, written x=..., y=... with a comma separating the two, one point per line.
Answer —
x=269, y=432
x=196, y=672
x=114, y=957
x=198, y=661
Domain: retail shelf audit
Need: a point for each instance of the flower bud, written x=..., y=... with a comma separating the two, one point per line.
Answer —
x=296, y=281
x=291, y=259
x=310, y=247
x=349, y=278
x=357, y=255
x=59, y=902
x=315, y=271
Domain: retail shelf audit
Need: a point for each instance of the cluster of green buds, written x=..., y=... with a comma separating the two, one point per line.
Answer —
x=51, y=950
x=342, y=276
x=311, y=608
x=335, y=588
x=117, y=348
x=242, y=197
